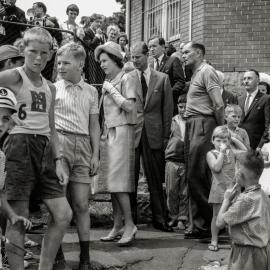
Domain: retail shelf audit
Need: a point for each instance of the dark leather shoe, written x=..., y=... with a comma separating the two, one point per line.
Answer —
x=162, y=226
x=84, y=266
x=198, y=234
x=60, y=265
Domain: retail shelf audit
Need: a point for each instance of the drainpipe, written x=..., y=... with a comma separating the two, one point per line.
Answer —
x=190, y=19
x=128, y=19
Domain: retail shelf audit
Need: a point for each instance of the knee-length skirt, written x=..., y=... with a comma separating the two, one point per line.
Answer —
x=117, y=160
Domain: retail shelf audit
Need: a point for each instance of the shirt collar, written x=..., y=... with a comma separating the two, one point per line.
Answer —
x=203, y=63
x=236, y=129
x=80, y=84
x=160, y=58
x=253, y=94
x=146, y=72
x=252, y=188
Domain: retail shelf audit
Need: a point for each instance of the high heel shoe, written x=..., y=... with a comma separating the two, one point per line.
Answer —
x=112, y=236
x=127, y=241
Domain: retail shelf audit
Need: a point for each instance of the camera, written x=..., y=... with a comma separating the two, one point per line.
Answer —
x=38, y=21
x=4, y=3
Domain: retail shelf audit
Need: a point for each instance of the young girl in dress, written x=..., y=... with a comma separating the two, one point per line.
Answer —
x=221, y=161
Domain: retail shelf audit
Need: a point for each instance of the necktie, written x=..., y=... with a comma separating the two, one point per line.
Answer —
x=144, y=86
x=157, y=64
x=247, y=103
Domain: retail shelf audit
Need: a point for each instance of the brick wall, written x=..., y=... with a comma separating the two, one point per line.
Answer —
x=236, y=34
x=136, y=7
x=198, y=20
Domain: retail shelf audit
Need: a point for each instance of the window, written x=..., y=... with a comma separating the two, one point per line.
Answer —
x=173, y=19
x=162, y=17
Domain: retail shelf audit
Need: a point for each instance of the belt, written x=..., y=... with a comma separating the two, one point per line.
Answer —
x=64, y=132
x=200, y=116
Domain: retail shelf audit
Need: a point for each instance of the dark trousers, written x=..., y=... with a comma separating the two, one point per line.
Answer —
x=154, y=168
x=198, y=142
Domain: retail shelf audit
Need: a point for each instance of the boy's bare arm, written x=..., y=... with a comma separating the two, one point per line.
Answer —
x=63, y=178
x=239, y=144
x=11, y=79
x=94, y=132
x=11, y=215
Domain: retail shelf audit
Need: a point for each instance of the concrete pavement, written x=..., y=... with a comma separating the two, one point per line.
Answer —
x=152, y=250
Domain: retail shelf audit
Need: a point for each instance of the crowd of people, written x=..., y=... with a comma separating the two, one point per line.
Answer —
x=160, y=111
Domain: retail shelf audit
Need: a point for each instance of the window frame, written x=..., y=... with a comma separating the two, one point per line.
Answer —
x=165, y=7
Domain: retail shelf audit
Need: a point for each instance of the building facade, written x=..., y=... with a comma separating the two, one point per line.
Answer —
x=235, y=32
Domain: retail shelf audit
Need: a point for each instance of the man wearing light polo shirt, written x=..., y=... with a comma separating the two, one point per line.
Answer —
x=204, y=111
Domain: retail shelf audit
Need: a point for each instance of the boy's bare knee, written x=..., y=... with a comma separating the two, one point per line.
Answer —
x=63, y=218
x=80, y=208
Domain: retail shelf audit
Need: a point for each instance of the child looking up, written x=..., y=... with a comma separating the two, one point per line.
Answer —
x=248, y=216
x=221, y=161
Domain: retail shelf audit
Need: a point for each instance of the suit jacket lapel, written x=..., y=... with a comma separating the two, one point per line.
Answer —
x=254, y=102
x=139, y=92
x=241, y=103
x=151, y=85
x=162, y=63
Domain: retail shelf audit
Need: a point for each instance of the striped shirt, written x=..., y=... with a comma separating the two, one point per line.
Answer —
x=73, y=105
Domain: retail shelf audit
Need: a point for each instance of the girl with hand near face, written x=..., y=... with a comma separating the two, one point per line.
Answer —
x=221, y=162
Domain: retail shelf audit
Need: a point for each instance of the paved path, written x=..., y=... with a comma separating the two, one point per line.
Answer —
x=152, y=250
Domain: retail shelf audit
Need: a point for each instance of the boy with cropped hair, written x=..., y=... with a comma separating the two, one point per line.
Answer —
x=248, y=216
x=33, y=154
x=239, y=136
x=175, y=173
x=77, y=124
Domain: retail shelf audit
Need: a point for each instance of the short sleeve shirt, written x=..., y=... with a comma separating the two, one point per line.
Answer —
x=249, y=217
x=203, y=81
x=74, y=104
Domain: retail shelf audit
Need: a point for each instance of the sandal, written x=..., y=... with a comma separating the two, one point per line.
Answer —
x=192, y=234
x=181, y=225
x=213, y=247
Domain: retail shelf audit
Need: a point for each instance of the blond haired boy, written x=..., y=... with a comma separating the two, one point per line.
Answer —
x=239, y=136
x=77, y=124
x=33, y=154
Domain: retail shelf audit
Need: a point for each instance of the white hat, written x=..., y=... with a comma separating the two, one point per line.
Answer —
x=7, y=99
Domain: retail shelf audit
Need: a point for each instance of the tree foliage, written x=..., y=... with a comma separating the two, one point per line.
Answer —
x=123, y=5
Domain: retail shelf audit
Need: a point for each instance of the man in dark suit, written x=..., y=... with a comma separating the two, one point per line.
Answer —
x=154, y=110
x=256, y=110
x=93, y=34
x=169, y=65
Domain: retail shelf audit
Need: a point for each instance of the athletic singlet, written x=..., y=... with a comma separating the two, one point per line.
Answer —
x=33, y=106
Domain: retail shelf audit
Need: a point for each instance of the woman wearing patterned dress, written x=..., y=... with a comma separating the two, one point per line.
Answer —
x=117, y=149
